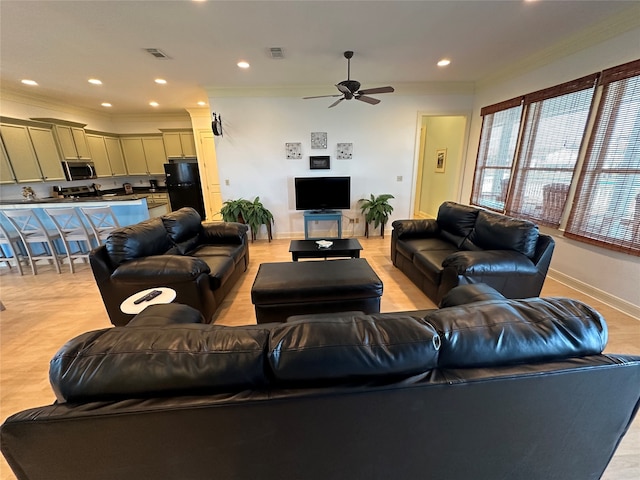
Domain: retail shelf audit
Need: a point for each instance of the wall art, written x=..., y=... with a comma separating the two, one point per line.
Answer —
x=294, y=150
x=318, y=139
x=441, y=160
x=345, y=151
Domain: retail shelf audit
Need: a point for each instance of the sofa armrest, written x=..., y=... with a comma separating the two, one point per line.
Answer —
x=490, y=262
x=224, y=233
x=415, y=228
x=160, y=270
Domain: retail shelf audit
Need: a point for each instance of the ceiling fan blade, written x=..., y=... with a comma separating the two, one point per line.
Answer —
x=369, y=100
x=336, y=102
x=376, y=90
x=344, y=89
x=321, y=96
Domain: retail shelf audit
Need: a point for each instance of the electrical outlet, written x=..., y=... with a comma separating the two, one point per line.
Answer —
x=399, y=178
x=357, y=220
x=227, y=183
x=351, y=220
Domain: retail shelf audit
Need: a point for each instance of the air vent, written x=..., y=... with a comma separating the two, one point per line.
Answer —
x=276, y=52
x=156, y=52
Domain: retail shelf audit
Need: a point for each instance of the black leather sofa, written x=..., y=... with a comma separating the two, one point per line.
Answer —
x=499, y=389
x=200, y=261
x=467, y=245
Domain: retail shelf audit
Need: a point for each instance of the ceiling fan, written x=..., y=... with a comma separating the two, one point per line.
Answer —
x=351, y=88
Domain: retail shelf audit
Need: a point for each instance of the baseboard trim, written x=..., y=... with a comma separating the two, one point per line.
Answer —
x=600, y=295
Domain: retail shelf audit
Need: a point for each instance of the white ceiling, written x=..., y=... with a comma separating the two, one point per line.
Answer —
x=61, y=44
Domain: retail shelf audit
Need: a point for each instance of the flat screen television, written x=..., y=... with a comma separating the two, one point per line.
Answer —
x=323, y=193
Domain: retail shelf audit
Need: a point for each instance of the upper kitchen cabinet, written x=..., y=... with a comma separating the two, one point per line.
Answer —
x=19, y=149
x=71, y=138
x=106, y=154
x=6, y=172
x=46, y=153
x=179, y=143
x=144, y=155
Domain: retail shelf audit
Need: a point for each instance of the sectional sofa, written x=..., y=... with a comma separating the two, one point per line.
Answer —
x=467, y=245
x=498, y=389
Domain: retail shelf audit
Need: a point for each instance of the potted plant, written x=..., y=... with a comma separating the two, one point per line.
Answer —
x=235, y=210
x=257, y=214
x=376, y=210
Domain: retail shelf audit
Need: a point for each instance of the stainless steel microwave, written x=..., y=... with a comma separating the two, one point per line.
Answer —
x=79, y=170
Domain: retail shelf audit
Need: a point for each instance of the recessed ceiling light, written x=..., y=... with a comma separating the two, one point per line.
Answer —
x=243, y=64
x=202, y=104
x=29, y=82
x=444, y=62
x=106, y=104
x=95, y=81
x=160, y=81
x=154, y=104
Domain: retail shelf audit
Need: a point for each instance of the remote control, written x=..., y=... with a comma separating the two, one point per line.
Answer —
x=147, y=297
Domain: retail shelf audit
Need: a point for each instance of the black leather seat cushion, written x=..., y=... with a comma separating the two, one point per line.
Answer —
x=315, y=281
x=234, y=251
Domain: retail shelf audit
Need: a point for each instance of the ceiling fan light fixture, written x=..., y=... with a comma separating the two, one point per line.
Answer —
x=243, y=64
x=444, y=62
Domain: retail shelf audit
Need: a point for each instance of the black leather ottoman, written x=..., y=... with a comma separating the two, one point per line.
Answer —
x=281, y=290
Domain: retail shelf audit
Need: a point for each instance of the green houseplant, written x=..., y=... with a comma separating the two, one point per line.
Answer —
x=251, y=213
x=376, y=210
x=257, y=214
x=235, y=210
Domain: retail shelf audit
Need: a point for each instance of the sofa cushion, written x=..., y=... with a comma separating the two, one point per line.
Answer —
x=503, y=332
x=164, y=269
x=221, y=269
x=430, y=263
x=409, y=248
x=184, y=227
x=234, y=251
x=351, y=346
x=499, y=232
x=150, y=361
x=456, y=221
x=166, y=314
x=135, y=241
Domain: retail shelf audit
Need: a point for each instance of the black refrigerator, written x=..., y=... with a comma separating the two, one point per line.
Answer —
x=183, y=186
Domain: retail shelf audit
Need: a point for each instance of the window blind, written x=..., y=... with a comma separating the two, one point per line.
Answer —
x=498, y=140
x=553, y=129
x=606, y=209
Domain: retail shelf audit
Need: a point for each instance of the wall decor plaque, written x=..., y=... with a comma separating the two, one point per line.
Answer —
x=318, y=139
x=345, y=151
x=294, y=150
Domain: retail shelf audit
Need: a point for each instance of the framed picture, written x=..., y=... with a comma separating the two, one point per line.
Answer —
x=441, y=160
x=345, y=151
x=318, y=139
x=319, y=162
x=294, y=150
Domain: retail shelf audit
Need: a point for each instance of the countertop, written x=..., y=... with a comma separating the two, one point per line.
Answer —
x=107, y=196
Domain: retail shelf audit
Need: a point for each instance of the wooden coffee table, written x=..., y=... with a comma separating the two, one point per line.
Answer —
x=342, y=247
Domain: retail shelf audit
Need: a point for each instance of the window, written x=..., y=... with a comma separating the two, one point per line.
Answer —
x=498, y=139
x=606, y=208
x=553, y=128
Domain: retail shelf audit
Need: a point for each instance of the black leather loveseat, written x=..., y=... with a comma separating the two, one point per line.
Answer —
x=200, y=261
x=500, y=389
x=466, y=245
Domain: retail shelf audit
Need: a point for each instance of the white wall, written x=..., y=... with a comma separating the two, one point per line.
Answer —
x=611, y=276
x=251, y=154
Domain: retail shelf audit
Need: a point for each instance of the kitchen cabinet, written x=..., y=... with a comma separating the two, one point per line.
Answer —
x=19, y=149
x=144, y=155
x=116, y=158
x=44, y=145
x=72, y=141
x=179, y=144
x=106, y=155
x=6, y=173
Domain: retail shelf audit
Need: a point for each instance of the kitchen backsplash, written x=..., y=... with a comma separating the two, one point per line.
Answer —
x=45, y=189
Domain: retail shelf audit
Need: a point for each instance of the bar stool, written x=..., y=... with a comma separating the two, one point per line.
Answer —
x=34, y=234
x=10, y=247
x=73, y=232
x=101, y=220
